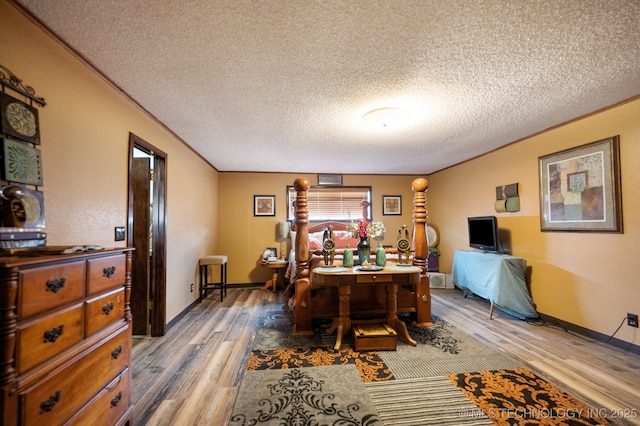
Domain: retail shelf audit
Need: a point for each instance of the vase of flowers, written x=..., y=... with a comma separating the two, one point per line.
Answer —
x=364, y=250
x=364, y=230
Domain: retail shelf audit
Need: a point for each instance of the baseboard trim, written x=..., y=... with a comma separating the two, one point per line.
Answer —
x=593, y=335
x=181, y=315
x=186, y=310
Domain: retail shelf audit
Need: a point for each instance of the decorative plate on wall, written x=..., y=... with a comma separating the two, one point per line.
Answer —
x=21, y=163
x=19, y=119
x=25, y=210
x=33, y=202
x=432, y=236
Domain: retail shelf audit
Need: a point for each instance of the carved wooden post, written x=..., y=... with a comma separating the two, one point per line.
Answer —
x=8, y=328
x=419, y=187
x=302, y=324
x=127, y=287
x=423, y=295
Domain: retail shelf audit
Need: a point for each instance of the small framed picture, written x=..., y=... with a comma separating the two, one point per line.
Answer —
x=391, y=205
x=269, y=253
x=264, y=205
x=330, y=180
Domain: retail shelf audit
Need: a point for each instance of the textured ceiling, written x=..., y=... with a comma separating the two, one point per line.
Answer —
x=280, y=85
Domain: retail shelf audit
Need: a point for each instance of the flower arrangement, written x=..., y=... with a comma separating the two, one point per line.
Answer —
x=364, y=229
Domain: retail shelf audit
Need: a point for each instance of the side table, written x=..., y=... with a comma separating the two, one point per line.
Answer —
x=275, y=279
x=344, y=278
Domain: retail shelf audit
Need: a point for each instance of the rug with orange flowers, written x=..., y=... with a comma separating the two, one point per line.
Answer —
x=449, y=378
x=518, y=396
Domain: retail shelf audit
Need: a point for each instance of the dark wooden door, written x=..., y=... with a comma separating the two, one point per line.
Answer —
x=140, y=271
x=146, y=232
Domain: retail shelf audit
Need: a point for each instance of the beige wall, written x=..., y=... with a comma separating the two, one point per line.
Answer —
x=84, y=130
x=588, y=279
x=244, y=237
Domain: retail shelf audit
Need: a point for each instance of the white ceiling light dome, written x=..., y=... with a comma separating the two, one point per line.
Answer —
x=387, y=117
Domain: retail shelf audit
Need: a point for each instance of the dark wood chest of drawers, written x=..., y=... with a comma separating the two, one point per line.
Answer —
x=65, y=339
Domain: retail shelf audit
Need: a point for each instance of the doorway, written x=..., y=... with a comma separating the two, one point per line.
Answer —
x=146, y=232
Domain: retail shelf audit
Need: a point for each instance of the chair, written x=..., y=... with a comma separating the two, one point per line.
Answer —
x=205, y=285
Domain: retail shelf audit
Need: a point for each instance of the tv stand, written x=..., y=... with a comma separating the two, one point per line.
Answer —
x=499, y=278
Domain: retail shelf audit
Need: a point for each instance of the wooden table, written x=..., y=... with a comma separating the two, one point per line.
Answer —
x=275, y=279
x=345, y=278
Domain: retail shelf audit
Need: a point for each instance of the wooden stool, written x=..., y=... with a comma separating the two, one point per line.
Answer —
x=205, y=285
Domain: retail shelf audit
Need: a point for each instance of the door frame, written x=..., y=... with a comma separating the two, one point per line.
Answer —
x=159, y=223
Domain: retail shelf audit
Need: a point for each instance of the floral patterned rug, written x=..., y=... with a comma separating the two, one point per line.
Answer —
x=518, y=396
x=293, y=380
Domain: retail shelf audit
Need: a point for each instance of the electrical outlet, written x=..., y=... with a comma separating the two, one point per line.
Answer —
x=632, y=320
x=119, y=233
x=191, y=287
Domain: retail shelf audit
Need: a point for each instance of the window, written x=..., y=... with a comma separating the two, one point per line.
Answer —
x=333, y=203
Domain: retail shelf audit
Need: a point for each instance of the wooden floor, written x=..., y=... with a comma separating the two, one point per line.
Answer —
x=191, y=376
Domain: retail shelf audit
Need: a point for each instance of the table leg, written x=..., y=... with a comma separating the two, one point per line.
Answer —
x=273, y=282
x=268, y=284
x=392, y=315
x=343, y=323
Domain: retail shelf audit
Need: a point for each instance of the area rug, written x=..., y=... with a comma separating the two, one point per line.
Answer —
x=331, y=395
x=449, y=378
x=520, y=397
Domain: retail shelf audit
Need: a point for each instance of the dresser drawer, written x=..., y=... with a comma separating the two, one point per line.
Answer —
x=47, y=287
x=39, y=341
x=109, y=406
x=106, y=273
x=104, y=310
x=54, y=399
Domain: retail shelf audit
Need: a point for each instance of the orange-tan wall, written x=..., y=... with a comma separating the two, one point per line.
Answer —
x=588, y=279
x=85, y=131
x=243, y=237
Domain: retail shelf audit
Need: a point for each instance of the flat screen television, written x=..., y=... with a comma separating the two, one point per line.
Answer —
x=483, y=233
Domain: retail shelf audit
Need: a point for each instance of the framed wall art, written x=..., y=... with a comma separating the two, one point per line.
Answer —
x=391, y=205
x=21, y=163
x=580, y=188
x=330, y=180
x=19, y=119
x=264, y=205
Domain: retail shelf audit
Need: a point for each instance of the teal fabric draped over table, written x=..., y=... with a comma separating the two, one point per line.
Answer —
x=499, y=278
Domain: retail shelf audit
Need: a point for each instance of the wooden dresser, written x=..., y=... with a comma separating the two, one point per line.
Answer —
x=65, y=339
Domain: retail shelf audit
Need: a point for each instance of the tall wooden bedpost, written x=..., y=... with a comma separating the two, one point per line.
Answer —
x=302, y=324
x=423, y=295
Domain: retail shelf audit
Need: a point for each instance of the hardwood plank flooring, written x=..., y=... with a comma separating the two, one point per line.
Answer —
x=192, y=375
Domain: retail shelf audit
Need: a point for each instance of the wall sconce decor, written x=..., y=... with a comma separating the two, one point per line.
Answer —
x=507, y=198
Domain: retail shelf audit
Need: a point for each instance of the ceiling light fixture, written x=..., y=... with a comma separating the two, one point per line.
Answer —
x=387, y=117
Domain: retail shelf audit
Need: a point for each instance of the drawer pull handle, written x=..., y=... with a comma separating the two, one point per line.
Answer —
x=52, y=335
x=106, y=309
x=48, y=404
x=56, y=285
x=116, y=352
x=374, y=277
x=109, y=271
x=116, y=399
